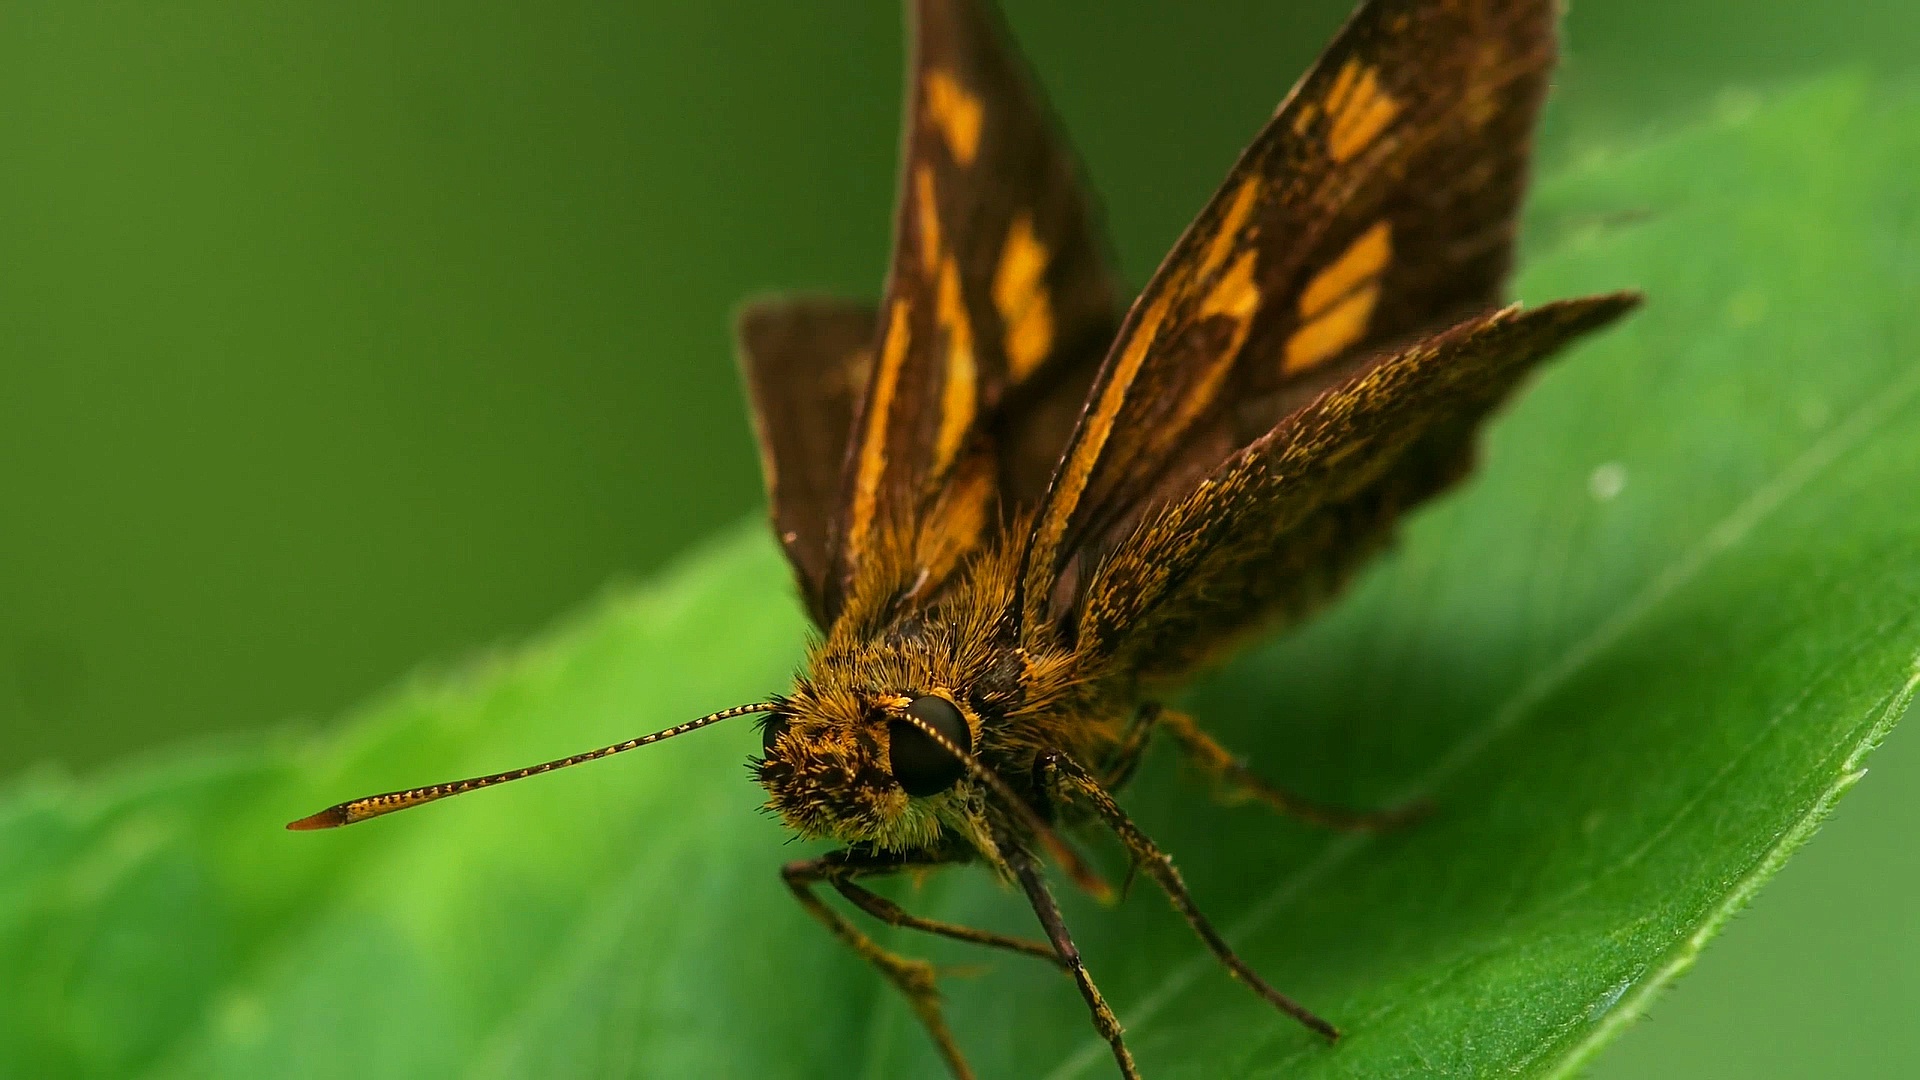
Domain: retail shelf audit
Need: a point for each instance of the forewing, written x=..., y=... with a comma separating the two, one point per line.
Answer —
x=1278, y=527
x=997, y=292
x=805, y=362
x=1378, y=203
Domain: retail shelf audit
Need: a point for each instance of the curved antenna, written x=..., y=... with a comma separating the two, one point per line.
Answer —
x=1069, y=859
x=373, y=806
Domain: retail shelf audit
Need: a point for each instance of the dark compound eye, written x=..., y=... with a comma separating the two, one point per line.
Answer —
x=920, y=765
x=770, y=731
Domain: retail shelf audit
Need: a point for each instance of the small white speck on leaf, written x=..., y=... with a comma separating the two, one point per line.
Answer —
x=1608, y=1000
x=1607, y=481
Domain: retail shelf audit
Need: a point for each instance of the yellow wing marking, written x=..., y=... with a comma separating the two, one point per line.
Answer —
x=873, y=440
x=961, y=392
x=1020, y=294
x=1340, y=327
x=1342, y=87
x=958, y=397
x=927, y=213
x=1358, y=110
x=1233, y=294
x=1364, y=259
x=1338, y=303
x=1309, y=112
x=1098, y=426
x=1231, y=220
x=1237, y=297
x=956, y=113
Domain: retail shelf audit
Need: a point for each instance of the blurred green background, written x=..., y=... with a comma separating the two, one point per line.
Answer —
x=338, y=338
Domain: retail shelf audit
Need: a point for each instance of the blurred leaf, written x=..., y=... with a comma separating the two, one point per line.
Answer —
x=1634, y=663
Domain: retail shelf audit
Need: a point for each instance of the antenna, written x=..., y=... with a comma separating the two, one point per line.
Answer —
x=372, y=806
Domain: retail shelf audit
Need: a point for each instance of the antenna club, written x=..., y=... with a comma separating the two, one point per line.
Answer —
x=331, y=818
x=373, y=806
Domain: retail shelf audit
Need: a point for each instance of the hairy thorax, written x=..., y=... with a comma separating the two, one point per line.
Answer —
x=836, y=756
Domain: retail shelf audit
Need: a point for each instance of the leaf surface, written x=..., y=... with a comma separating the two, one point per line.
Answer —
x=1633, y=663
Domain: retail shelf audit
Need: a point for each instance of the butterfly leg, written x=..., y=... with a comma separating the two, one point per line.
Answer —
x=1243, y=783
x=1066, y=781
x=841, y=867
x=914, y=978
x=1104, y=1021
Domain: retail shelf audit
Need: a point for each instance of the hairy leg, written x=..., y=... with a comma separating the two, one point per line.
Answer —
x=914, y=978
x=1069, y=783
x=1243, y=784
x=1104, y=1021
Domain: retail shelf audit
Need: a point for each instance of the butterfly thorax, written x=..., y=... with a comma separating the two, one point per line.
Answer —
x=840, y=759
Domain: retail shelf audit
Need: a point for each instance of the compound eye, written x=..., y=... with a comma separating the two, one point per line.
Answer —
x=920, y=765
x=771, y=729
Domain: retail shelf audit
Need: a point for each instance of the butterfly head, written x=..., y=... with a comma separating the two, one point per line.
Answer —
x=866, y=767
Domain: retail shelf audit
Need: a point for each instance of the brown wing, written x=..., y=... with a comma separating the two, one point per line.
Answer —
x=805, y=362
x=998, y=298
x=1379, y=203
x=1278, y=527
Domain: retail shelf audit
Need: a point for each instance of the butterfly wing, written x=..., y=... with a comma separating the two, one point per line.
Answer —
x=1278, y=527
x=1379, y=203
x=998, y=301
x=805, y=361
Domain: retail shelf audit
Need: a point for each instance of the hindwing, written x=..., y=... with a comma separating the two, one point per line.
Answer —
x=805, y=361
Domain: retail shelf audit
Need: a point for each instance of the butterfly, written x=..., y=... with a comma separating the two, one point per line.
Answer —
x=1020, y=515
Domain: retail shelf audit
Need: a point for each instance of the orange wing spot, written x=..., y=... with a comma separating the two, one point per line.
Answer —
x=961, y=393
x=1332, y=333
x=1343, y=85
x=1303, y=120
x=1235, y=296
x=872, y=461
x=1228, y=230
x=956, y=113
x=1095, y=428
x=1020, y=294
x=1364, y=259
x=1359, y=109
x=927, y=214
x=1338, y=303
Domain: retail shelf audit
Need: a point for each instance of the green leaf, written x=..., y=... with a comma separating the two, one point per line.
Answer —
x=1634, y=664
